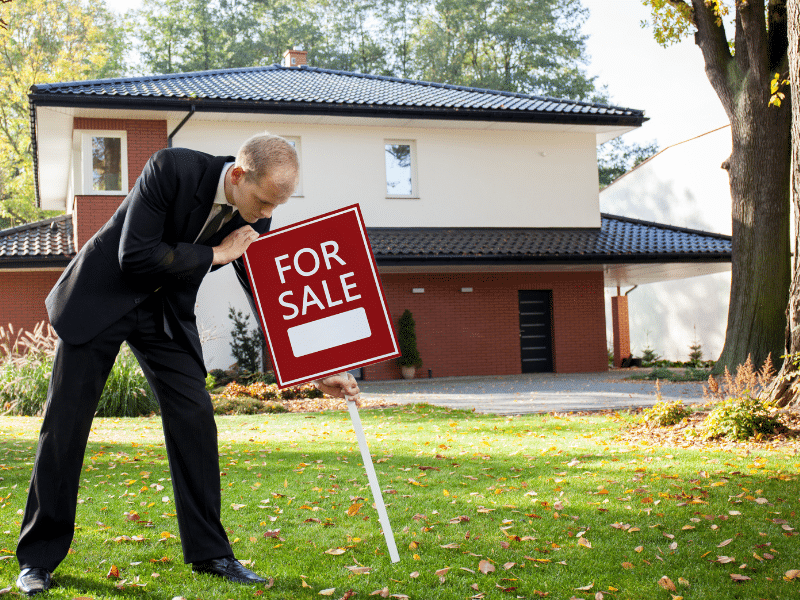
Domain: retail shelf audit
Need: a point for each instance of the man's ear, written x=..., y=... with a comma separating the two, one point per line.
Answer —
x=237, y=173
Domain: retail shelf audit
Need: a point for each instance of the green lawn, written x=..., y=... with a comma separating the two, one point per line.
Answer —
x=482, y=506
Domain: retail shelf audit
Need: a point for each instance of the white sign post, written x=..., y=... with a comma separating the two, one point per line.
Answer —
x=377, y=495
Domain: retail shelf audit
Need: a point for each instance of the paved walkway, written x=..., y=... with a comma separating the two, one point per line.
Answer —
x=533, y=393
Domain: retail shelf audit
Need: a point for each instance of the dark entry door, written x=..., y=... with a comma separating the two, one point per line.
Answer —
x=536, y=331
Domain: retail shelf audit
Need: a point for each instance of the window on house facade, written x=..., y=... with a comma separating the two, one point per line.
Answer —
x=104, y=162
x=401, y=169
x=295, y=142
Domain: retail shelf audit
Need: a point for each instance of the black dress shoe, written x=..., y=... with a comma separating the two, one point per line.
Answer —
x=34, y=580
x=229, y=568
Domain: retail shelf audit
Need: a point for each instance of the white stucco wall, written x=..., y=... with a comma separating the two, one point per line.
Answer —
x=683, y=186
x=466, y=177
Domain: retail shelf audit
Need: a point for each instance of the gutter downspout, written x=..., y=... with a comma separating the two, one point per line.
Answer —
x=181, y=124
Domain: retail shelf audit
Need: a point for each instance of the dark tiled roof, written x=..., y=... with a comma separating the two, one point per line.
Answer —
x=619, y=240
x=44, y=243
x=325, y=91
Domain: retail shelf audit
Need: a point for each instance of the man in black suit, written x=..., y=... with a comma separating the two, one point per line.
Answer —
x=136, y=280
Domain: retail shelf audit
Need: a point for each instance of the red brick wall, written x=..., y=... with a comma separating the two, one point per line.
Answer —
x=22, y=297
x=477, y=333
x=621, y=329
x=143, y=139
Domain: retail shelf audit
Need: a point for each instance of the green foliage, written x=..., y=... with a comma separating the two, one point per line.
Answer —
x=615, y=158
x=24, y=382
x=247, y=344
x=649, y=356
x=211, y=382
x=407, y=341
x=739, y=418
x=664, y=414
x=127, y=393
x=245, y=405
x=696, y=354
x=664, y=373
x=46, y=41
x=517, y=45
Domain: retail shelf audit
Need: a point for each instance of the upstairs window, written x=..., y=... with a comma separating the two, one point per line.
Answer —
x=104, y=162
x=400, y=169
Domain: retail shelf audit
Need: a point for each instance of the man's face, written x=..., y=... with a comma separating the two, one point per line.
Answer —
x=258, y=199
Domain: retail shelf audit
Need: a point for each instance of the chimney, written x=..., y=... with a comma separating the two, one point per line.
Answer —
x=294, y=57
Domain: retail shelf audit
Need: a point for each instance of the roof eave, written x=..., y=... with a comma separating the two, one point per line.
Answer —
x=423, y=260
x=28, y=263
x=330, y=108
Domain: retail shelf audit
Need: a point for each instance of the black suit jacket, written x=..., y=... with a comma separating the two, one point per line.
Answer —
x=147, y=247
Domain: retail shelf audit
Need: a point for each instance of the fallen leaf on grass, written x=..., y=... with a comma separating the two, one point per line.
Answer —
x=441, y=572
x=485, y=567
x=666, y=583
x=357, y=570
x=725, y=543
x=113, y=572
x=737, y=577
x=451, y=546
x=384, y=593
x=328, y=592
x=335, y=551
x=724, y=560
x=347, y=595
x=585, y=588
x=584, y=542
x=627, y=565
x=793, y=574
x=354, y=508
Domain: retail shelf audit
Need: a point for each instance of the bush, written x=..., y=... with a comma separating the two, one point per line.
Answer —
x=25, y=378
x=739, y=418
x=664, y=414
x=127, y=393
x=244, y=405
x=246, y=344
x=407, y=340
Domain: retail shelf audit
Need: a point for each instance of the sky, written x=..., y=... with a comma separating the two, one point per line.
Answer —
x=669, y=84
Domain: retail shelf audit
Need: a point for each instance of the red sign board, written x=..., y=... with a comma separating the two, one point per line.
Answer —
x=319, y=297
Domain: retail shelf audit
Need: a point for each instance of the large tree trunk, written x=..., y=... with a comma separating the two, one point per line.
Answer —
x=785, y=390
x=759, y=171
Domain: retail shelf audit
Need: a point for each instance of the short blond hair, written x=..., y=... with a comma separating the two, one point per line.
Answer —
x=267, y=154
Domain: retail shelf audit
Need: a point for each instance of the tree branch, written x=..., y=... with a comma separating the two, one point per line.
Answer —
x=713, y=43
x=754, y=25
x=777, y=34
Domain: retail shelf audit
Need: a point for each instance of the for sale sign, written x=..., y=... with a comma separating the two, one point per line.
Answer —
x=319, y=297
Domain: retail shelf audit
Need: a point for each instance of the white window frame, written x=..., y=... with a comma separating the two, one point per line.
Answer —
x=294, y=139
x=414, y=195
x=86, y=162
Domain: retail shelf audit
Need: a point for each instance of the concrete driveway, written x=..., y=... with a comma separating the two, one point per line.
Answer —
x=534, y=393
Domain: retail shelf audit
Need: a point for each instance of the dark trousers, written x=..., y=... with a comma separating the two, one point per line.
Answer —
x=190, y=434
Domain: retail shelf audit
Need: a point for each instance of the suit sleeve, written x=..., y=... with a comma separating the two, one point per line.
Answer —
x=261, y=226
x=142, y=250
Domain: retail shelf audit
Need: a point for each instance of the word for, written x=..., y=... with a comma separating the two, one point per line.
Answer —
x=329, y=251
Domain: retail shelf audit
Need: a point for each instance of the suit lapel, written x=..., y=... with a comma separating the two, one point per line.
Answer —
x=204, y=197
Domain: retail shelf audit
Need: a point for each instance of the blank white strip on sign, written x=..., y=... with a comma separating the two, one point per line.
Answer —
x=329, y=332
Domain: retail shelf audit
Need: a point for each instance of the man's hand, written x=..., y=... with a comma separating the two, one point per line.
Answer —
x=342, y=385
x=234, y=245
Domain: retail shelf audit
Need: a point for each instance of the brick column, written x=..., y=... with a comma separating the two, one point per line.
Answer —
x=621, y=328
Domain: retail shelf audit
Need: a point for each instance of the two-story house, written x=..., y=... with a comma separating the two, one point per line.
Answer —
x=481, y=206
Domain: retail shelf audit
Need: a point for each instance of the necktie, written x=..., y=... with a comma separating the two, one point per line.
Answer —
x=214, y=224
